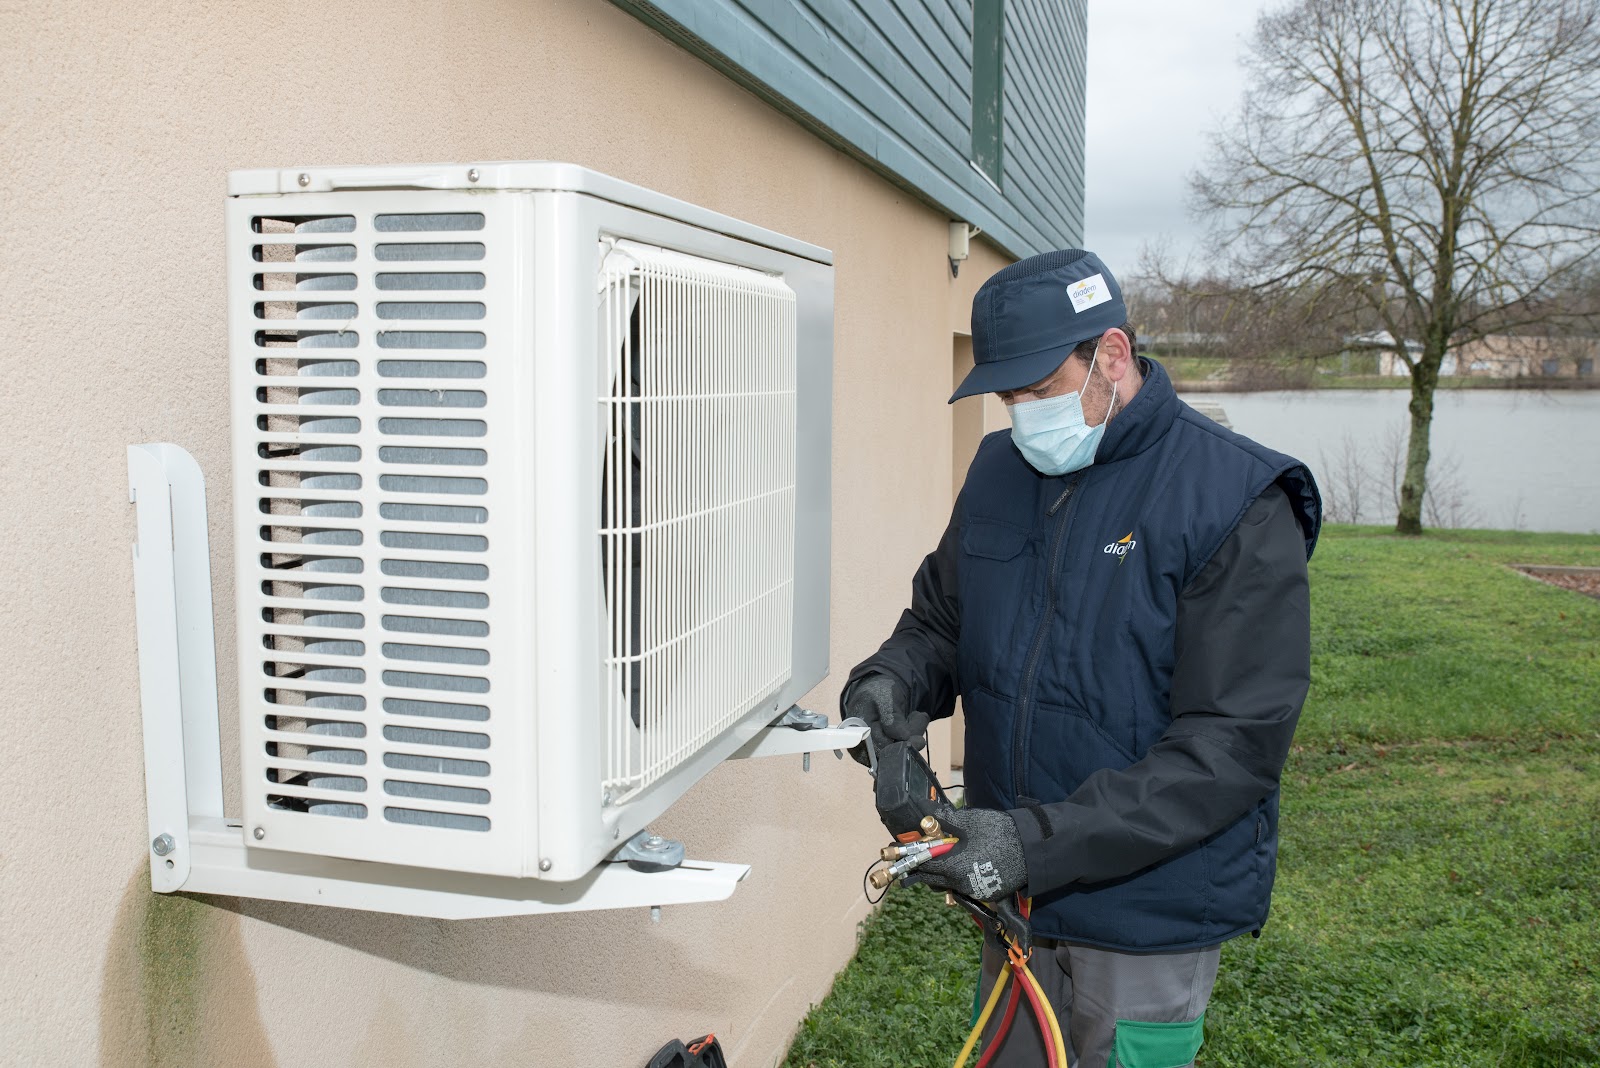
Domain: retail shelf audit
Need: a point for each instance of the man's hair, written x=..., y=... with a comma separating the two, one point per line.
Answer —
x=1084, y=350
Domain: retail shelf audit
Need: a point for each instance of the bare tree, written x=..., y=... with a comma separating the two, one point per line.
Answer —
x=1434, y=161
x=1448, y=504
x=1358, y=476
x=1391, y=463
x=1345, y=483
x=1268, y=336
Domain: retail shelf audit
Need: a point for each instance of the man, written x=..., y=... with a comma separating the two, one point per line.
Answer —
x=1120, y=602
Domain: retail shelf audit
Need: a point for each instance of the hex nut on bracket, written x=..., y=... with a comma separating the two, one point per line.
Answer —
x=163, y=844
x=651, y=852
x=803, y=719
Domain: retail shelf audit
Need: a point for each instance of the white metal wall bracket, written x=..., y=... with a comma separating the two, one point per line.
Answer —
x=194, y=848
x=787, y=741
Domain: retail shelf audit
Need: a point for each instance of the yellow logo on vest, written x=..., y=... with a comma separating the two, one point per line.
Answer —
x=1121, y=547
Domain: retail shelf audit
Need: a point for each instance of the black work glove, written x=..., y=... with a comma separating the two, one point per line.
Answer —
x=881, y=702
x=987, y=862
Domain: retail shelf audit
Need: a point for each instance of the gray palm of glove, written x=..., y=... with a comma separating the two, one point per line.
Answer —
x=881, y=702
x=987, y=863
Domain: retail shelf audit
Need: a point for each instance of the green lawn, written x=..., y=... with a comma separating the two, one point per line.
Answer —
x=1432, y=637
x=1438, y=898
x=1404, y=382
x=1194, y=368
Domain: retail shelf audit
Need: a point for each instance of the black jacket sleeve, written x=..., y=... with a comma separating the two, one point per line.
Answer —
x=1242, y=670
x=921, y=652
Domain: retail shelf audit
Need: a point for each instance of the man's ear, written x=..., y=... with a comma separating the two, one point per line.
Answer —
x=1116, y=355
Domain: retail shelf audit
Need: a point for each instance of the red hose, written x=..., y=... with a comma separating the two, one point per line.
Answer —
x=1005, y=1026
x=993, y=1047
x=1044, y=1024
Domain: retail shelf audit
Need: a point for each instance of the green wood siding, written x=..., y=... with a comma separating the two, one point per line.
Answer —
x=894, y=83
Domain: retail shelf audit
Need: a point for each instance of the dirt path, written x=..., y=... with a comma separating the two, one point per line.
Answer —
x=1584, y=580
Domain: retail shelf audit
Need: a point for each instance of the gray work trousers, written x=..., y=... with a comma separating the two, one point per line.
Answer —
x=1092, y=990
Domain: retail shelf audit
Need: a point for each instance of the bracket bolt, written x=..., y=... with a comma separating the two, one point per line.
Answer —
x=655, y=841
x=259, y=833
x=304, y=179
x=655, y=913
x=163, y=844
x=544, y=864
x=472, y=175
x=805, y=761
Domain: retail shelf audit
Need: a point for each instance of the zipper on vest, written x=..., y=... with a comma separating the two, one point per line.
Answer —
x=1051, y=511
x=1025, y=691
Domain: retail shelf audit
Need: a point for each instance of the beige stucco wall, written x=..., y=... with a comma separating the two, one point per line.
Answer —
x=119, y=124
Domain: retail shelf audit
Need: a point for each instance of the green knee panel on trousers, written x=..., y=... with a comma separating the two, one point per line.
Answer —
x=1137, y=1044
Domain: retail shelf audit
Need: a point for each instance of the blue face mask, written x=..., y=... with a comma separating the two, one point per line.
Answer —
x=1051, y=433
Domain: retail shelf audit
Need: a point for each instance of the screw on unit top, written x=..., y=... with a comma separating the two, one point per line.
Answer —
x=304, y=179
x=472, y=175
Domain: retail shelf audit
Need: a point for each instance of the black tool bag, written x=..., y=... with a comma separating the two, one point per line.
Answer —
x=703, y=1052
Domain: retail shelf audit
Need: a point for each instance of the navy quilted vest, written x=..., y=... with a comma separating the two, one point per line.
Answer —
x=1066, y=652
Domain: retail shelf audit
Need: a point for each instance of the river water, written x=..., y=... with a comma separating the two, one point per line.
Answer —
x=1511, y=459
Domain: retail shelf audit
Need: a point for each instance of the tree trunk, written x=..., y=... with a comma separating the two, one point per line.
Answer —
x=1424, y=378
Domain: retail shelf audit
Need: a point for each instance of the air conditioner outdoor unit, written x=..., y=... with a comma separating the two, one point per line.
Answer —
x=531, y=502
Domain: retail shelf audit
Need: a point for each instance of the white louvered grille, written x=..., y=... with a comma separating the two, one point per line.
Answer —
x=374, y=424
x=697, y=518
x=513, y=571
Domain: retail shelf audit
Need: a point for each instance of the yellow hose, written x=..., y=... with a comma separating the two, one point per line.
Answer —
x=983, y=1017
x=1049, y=1014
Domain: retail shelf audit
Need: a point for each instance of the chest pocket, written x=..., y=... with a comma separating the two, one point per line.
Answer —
x=991, y=539
x=997, y=590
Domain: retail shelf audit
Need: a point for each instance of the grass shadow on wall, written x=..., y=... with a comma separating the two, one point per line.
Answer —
x=177, y=990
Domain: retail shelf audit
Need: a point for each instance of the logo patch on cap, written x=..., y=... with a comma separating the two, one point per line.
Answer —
x=1088, y=292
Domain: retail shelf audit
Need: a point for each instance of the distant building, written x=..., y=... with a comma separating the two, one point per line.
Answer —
x=1495, y=356
x=1379, y=353
x=1516, y=356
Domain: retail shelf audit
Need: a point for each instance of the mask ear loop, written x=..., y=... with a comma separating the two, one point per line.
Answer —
x=1094, y=360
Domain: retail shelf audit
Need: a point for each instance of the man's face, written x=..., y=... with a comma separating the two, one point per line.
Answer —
x=1071, y=377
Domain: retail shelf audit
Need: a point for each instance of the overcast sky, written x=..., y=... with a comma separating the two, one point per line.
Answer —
x=1162, y=75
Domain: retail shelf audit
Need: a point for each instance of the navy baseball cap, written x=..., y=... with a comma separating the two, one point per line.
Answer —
x=1027, y=318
